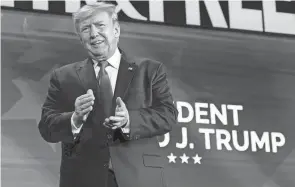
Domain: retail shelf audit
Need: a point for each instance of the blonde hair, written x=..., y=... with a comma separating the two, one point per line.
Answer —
x=88, y=10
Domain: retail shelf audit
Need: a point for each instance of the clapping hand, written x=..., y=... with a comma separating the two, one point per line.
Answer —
x=83, y=106
x=121, y=116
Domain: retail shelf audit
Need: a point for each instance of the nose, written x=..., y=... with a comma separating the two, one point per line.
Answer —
x=93, y=32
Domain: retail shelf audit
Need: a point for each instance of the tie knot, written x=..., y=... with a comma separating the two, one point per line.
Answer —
x=103, y=64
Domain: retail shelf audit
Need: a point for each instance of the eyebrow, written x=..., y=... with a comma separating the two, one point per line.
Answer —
x=88, y=23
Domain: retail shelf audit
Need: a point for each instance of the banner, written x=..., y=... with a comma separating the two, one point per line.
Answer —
x=255, y=16
x=234, y=93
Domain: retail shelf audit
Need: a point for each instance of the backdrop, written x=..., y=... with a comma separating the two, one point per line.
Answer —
x=234, y=89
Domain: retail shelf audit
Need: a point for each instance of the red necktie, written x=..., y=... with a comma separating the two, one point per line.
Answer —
x=105, y=89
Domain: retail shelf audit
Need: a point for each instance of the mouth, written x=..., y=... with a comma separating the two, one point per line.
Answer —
x=96, y=43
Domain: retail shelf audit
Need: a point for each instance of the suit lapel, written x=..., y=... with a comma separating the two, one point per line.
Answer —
x=86, y=75
x=126, y=72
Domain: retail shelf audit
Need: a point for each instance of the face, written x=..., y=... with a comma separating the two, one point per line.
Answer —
x=99, y=35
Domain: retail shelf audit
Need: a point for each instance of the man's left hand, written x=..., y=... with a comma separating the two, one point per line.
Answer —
x=121, y=116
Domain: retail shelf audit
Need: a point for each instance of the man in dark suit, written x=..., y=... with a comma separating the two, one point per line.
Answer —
x=108, y=110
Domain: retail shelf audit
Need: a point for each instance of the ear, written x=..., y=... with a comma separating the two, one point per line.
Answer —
x=81, y=41
x=117, y=30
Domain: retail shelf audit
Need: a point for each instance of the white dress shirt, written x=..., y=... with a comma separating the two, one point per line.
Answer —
x=112, y=71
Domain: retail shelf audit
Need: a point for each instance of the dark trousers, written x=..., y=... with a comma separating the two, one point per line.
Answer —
x=112, y=179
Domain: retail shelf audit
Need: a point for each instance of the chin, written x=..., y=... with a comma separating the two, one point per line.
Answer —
x=98, y=55
x=98, y=52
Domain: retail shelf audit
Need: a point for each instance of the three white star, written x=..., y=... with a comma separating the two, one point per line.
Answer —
x=197, y=159
x=172, y=158
x=184, y=158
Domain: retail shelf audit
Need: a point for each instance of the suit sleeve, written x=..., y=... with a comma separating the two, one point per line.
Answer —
x=160, y=117
x=55, y=124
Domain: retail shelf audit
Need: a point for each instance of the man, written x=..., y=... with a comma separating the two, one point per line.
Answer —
x=108, y=110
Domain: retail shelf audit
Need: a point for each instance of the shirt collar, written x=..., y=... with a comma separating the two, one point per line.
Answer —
x=113, y=60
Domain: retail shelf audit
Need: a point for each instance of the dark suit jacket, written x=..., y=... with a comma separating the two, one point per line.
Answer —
x=136, y=157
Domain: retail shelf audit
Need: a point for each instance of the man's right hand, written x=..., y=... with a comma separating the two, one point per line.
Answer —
x=83, y=106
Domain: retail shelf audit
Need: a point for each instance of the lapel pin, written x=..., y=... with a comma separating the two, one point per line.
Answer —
x=130, y=68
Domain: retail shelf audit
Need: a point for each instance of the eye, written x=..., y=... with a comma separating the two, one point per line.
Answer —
x=100, y=25
x=85, y=29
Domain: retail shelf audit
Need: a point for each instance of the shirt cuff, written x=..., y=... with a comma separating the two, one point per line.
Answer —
x=75, y=129
x=126, y=129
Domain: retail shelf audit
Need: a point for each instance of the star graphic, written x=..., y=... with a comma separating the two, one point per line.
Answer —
x=197, y=159
x=184, y=158
x=172, y=158
x=29, y=106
